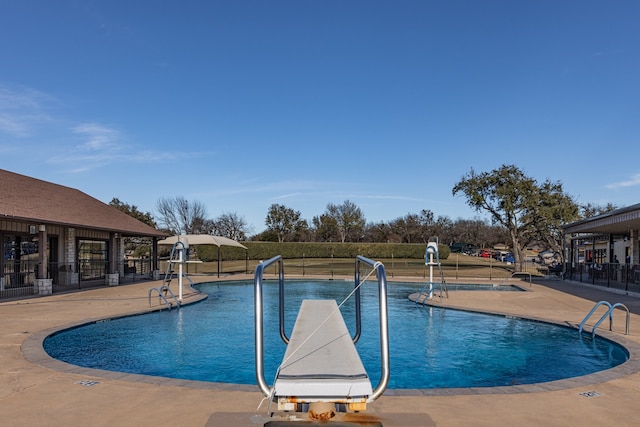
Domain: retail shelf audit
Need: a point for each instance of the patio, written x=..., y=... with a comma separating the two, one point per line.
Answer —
x=39, y=391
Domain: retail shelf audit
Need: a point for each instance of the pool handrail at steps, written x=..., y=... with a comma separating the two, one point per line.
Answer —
x=162, y=291
x=518, y=273
x=259, y=327
x=609, y=314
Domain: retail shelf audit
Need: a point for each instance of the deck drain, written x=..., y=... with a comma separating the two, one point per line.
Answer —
x=591, y=393
x=88, y=383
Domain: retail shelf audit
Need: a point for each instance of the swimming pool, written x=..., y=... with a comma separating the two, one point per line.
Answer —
x=429, y=347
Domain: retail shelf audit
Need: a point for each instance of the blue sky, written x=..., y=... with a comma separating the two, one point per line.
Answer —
x=242, y=104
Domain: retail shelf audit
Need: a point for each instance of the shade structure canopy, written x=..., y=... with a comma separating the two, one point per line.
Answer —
x=202, y=239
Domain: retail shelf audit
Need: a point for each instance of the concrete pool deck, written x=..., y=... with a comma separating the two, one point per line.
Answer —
x=36, y=390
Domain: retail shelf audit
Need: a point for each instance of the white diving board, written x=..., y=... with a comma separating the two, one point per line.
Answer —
x=321, y=363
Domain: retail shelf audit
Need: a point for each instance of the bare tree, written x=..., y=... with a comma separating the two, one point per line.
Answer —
x=180, y=216
x=231, y=225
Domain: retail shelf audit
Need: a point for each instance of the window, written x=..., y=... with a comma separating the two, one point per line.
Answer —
x=93, y=257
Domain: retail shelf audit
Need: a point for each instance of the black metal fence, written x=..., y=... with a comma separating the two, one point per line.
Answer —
x=136, y=269
x=617, y=276
x=18, y=278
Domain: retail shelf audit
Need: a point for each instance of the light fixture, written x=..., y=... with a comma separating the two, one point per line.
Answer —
x=42, y=227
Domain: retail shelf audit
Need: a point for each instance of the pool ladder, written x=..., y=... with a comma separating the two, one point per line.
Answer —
x=609, y=313
x=177, y=256
x=162, y=292
x=427, y=289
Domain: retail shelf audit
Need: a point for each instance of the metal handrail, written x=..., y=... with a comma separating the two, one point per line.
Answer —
x=598, y=304
x=384, y=323
x=166, y=289
x=518, y=273
x=259, y=325
x=166, y=301
x=610, y=314
x=259, y=329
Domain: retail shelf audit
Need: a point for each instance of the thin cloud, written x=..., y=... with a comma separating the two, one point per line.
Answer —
x=22, y=110
x=97, y=137
x=29, y=115
x=633, y=181
x=387, y=197
x=287, y=196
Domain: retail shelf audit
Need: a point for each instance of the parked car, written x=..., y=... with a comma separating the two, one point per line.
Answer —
x=509, y=258
x=485, y=253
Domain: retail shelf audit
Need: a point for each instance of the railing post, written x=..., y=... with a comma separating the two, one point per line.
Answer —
x=259, y=327
x=356, y=283
x=384, y=326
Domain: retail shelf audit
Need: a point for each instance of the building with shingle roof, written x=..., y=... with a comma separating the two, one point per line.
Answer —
x=84, y=236
x=605, y=247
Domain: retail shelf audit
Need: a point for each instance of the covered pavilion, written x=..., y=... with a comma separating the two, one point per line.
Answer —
x=605, y=248
x=56, y=238
x=204, y=239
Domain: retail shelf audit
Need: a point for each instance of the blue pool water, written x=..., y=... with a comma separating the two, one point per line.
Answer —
x=429, y=347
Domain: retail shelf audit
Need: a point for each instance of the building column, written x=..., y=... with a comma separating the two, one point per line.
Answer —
x=635, y=247
x=113, y=253
x=43, y=242
x=69, y=254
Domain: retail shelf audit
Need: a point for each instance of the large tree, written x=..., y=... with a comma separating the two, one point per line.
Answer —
x=284, y=221
x=181, y=216
x=231, y=225
x=133, y=211
x=136, y=246
x=348, y=218
x=529, y=211
x=590, y=210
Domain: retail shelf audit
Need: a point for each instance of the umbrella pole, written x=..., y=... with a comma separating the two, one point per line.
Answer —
x=180, y=273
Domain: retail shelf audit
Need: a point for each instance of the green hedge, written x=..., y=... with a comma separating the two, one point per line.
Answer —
x=296, y=250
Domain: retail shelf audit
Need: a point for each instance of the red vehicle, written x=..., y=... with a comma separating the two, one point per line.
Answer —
x=485, y=253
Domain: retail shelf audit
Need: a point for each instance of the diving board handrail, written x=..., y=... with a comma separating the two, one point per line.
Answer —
x=384, y=323
x=160, y=291
x=259, y=324
x=259, y=328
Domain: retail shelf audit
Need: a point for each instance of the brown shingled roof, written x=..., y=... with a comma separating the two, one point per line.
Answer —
x=28, y=199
